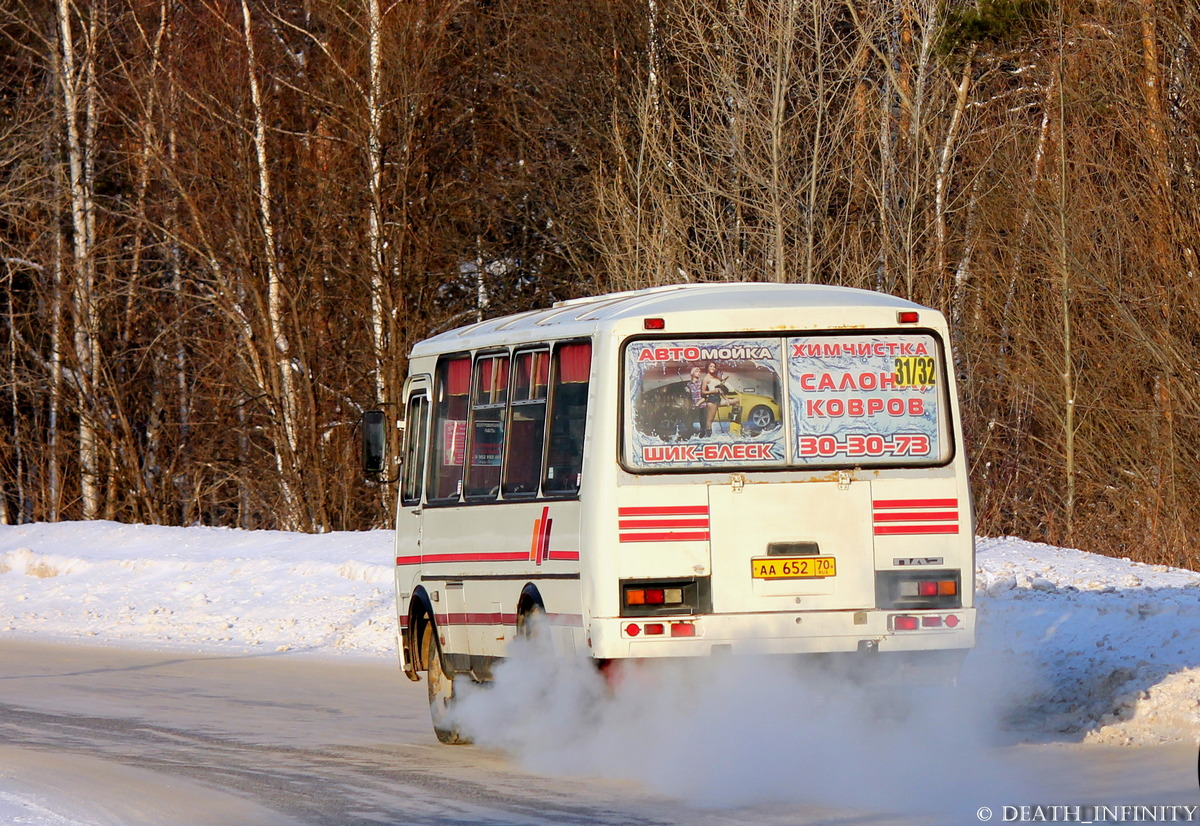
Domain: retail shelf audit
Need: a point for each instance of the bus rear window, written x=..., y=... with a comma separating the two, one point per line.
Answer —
x=771, y=402
x=868, y=400
x=704, y=403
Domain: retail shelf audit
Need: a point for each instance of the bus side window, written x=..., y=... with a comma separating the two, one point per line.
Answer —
x=489, y=399
x=415, y=429
x=526, y=425
x=568, y=417
x=449, y=434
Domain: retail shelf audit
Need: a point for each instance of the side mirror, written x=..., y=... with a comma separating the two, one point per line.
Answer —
x=374, y=442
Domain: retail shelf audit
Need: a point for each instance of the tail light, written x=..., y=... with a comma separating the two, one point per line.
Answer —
x=905, y=622
x=661, y=597
x=913, y=591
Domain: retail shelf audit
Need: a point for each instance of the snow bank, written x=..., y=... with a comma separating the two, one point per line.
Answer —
x=1071, y=644
x=208, y=588
x=1108, y=650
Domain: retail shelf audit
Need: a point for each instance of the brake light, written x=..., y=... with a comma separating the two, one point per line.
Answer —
x=654, y=596
x=654, y=629
x=927, y=589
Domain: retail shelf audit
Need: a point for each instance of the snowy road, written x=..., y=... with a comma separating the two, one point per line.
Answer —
x=119, y=736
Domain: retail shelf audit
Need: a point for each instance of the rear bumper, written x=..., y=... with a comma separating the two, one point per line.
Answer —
x=826, y=632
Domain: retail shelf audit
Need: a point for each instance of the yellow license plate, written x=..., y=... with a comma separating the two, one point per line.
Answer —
x=793, y=567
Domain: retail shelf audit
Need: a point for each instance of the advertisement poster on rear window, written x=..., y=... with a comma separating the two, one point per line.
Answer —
x=867, y=400
x=704, y=403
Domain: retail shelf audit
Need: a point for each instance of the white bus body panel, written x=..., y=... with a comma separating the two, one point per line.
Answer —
x=479, y=558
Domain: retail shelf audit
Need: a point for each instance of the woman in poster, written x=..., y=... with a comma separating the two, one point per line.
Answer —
x=713, y=389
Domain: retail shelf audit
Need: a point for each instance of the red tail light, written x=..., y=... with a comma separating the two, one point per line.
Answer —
x=901, y=623
x=683, y=629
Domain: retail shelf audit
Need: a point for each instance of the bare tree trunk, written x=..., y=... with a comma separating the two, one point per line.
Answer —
x=82, y=232
x=1068, y=354
x=375, y=216
x=286, y=397
x=54, y=484
x=785, y=36
x=942, y=181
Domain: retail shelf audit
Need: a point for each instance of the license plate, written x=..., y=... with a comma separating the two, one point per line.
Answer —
x=793, y=567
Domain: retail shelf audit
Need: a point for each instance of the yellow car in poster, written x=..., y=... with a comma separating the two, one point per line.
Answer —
x=667, y=412
x=748, y=412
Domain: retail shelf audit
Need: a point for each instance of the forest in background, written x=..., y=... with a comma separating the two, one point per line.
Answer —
x=223, y=224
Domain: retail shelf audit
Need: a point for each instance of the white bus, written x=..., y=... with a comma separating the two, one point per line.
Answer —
x=680, y=472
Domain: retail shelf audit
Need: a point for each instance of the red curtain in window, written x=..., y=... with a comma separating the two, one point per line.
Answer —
x=541, y=372
x=574, y=363
x=458, y=377
x=500, y=381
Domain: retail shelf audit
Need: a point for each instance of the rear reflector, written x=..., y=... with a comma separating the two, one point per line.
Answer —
x=908, y=317
x=654, y=324
x=905, y=623
x=632, y=629
x=952, y=621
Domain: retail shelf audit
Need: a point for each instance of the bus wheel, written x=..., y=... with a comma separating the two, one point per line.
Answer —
x=530, y=619
x=441, y=691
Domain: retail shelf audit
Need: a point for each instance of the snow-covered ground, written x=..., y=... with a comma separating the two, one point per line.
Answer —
x=1074, y=645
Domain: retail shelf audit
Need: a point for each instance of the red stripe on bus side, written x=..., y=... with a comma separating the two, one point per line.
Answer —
x=884, y=530
x=544, y=546
x=665, y=510
x=637, y=524
x=892, y=504
x=670, y=536
x=504, y=556
x=500, y=618
x=917, y=516
x=566, y=556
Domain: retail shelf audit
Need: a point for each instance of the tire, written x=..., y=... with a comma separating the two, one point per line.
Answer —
x=529, y=620
x=441, y=691
x=760, y=418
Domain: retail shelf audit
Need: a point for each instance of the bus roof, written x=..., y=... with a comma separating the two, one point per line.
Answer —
x=584, y=316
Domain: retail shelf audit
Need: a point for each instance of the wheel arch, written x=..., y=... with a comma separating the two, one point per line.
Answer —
x=420, y=616
x=529, y=601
